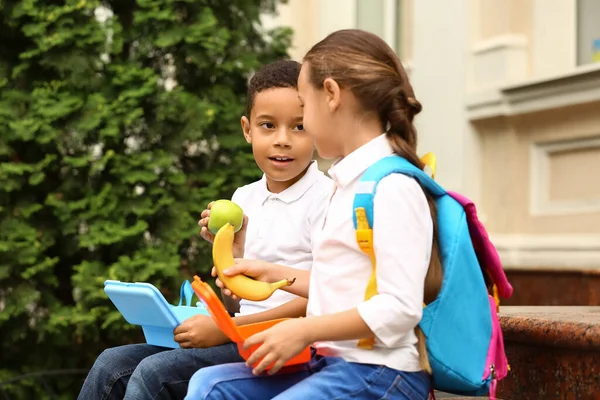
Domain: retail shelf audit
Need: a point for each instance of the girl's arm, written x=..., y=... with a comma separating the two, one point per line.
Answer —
x=287, y=339
x=267, y=272
x=278, y=272
x=345, y=325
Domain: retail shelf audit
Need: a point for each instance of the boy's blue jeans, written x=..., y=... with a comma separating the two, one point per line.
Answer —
x=327, y=378
x=142, y=371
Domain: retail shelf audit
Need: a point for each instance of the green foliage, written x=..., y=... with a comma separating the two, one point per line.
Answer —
x=116, y=129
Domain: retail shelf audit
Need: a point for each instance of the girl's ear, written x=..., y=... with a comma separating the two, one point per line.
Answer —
x=246, y=129
x=333, y=93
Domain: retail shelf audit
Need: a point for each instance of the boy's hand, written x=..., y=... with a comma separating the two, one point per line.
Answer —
x=199, y=331
x=280, y=343
x=239, y=239
x=256, y=269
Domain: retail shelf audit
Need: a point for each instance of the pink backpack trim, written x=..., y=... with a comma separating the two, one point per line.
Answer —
x=490, y=262
x=485, y=250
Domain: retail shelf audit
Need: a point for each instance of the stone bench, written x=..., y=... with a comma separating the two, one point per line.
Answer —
x=553, y=352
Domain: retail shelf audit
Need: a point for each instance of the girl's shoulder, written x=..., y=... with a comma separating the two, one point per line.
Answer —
x=400, y=184
x=401, y=191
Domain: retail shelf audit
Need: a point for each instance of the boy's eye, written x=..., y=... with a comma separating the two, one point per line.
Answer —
x=267, y=125
x=299, y=127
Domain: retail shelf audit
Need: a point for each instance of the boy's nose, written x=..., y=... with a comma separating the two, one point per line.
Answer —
x=282, y=139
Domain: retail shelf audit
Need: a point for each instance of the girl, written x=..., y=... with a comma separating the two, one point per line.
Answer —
x=359, y=108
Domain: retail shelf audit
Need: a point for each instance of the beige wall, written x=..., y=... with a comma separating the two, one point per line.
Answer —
x=515, y=40
x=572, y=173
x=504, y=17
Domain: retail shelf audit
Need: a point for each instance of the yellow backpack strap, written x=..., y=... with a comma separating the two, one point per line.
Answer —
x=430, y=163
x=364, y=238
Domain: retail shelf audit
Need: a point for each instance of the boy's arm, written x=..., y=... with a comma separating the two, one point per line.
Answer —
x=231, y=305
x=292, y=309
x=201, y=331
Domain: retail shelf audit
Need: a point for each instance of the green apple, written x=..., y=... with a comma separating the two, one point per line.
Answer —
x=223, y=212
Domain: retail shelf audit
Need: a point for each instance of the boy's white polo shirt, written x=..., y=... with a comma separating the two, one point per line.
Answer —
x=282, y=226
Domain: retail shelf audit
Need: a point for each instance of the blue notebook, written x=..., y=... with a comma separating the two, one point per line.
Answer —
x=143, y=304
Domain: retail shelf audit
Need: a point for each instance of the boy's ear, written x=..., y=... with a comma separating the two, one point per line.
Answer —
x=246, y=129
x=333, y=93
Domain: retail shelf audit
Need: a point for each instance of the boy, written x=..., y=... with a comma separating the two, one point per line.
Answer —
x=283, y=212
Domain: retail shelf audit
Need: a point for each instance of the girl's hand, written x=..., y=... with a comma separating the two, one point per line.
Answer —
x=239, y=239
x=256, y=269
x=279, y=344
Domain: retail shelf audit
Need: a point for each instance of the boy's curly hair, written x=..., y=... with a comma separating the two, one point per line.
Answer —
x=278, y=74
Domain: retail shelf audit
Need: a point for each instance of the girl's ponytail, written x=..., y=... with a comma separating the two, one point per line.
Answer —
x=403, y=138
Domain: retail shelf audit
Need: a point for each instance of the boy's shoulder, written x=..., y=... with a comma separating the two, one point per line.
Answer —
x=322, y=186
x=243, y=193
x=314, y=184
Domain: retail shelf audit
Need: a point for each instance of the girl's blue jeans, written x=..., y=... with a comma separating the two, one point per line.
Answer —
x=327, y=378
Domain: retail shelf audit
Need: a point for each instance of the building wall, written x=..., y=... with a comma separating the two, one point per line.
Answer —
x=535, y=109
x=511, y=96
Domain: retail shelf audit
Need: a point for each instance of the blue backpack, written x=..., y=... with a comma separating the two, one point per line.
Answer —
x=464, y=340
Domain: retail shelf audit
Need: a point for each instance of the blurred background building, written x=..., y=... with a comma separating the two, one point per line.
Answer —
x=511, y=96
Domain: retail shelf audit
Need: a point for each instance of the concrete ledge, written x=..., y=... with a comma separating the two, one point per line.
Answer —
x=532, y=95
x=567, y=251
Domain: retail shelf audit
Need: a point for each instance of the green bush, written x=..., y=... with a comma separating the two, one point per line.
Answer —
x=119, y=121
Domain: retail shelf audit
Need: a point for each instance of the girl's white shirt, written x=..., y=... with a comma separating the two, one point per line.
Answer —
x=402, y=235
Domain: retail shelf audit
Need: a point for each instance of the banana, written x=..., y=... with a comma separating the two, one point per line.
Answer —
x=240, y=285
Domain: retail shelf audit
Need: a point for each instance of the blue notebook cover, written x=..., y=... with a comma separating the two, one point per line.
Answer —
x=142, y=304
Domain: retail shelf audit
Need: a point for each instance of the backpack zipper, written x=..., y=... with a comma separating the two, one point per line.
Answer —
x=493, y=382
x=493, y=371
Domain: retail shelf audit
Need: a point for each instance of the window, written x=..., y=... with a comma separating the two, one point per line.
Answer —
x=403, y=27
x=588, y=31
x=385, y=18
x=370, y=16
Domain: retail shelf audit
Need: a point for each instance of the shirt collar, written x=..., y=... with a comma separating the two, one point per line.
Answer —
x=295, y=191
x=354, y=164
